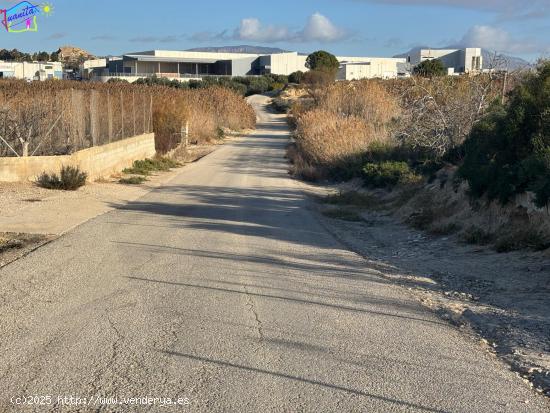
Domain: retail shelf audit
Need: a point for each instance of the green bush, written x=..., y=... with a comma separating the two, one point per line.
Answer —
x=147, y=166
x=244, y=85
x=259, y=85
x=281, y=105
x=430, y=68
x=508, y=152
x=133, y=180
x=70, y=179
x=276, y=86
x=296, y=77
x=387, y=174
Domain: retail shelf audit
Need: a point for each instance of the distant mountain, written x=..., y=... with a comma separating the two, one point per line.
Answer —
x=490, y=59
x=239, y=49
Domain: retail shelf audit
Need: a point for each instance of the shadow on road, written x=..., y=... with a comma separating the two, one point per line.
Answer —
x=303, y=380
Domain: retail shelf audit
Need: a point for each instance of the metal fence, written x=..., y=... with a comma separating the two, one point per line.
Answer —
x=59, y=122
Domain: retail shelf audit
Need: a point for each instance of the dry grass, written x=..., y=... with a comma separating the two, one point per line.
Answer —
x=325, y=138
x=366, y=100
x=207, y=110
x=425, y=118
x=345, y=120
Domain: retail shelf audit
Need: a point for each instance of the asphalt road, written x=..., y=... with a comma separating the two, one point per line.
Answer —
x=222, y=289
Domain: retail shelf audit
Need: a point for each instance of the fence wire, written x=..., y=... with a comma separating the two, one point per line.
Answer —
x=43, y=121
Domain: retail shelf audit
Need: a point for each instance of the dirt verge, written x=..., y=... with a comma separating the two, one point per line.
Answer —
x=15, y=245
x=501, y=300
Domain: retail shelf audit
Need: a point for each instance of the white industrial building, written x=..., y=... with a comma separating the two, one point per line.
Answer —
x=468, y=60
x=354, y=68
x=186, y=65
x=31, y=70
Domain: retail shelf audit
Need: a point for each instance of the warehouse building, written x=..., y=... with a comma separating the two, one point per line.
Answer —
x=468, y=60
x=186, y=65
x=353, y=68
x=31, y=70
x=195, y=65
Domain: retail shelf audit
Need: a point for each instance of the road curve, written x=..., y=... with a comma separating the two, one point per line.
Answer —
x=222, y=289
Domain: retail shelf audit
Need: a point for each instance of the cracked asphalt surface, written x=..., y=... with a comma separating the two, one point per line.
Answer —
x=222, y=287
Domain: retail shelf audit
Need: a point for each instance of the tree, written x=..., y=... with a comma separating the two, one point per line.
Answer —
x=322, y=61
x=430, y=68
x=42, y=56
x=508, y=152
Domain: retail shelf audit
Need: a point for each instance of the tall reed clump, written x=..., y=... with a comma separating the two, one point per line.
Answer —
x=205, y=111
x=332, y=137
x=61, y=117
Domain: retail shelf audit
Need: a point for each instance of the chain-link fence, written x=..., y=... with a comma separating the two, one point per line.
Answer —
x=55, y=120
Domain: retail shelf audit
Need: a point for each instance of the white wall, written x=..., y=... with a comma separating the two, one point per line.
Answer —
x=460, y=60
x=470, y=65
x=369, y=68
x=28, y=70
x=98, y=161
x=287, y=63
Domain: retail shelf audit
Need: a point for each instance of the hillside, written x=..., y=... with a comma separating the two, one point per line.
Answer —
x=73, y=54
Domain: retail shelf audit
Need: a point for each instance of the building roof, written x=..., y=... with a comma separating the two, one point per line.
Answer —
x=149, y=58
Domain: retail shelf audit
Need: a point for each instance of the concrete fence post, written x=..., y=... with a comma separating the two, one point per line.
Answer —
x=93, y=116
x=122, y=114
x=150, y=126
x=110, y=116
x=144, y=120
x=134, y=110
x=186, y=133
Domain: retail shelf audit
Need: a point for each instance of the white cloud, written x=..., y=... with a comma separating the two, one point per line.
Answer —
x=252, y=29
x=318, y=28
x=506, y=9
x=495, y=38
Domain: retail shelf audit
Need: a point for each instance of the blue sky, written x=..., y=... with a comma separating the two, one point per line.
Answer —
x=345, y=27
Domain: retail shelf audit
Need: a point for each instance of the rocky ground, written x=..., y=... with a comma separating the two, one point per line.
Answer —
x=503, y=300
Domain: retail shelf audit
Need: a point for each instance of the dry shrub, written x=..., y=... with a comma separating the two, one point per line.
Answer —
x=368, y=100
x=438, y=114
x=325, y=138
x=318, y=78
x=207, y=111
x=345, y=120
